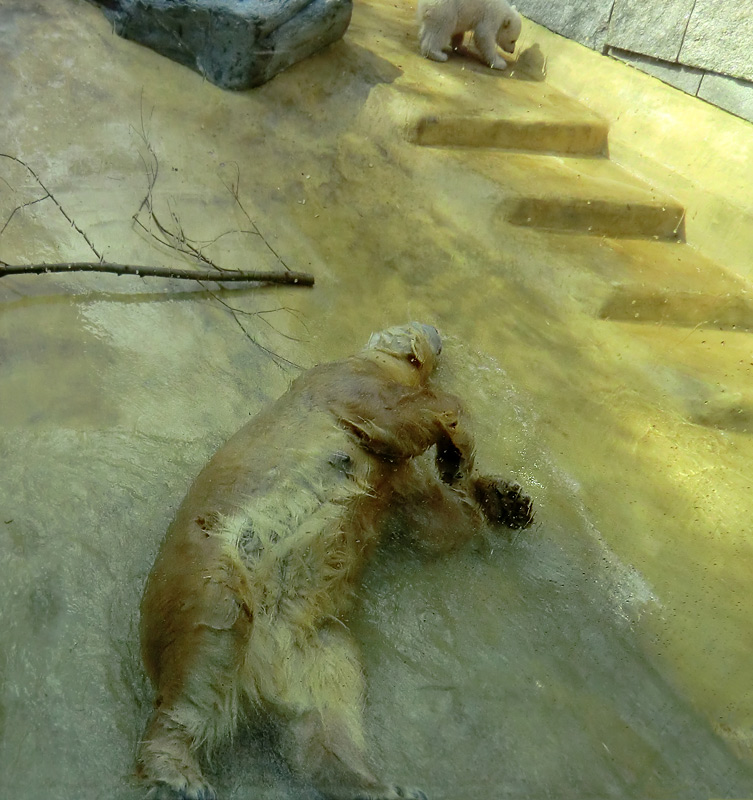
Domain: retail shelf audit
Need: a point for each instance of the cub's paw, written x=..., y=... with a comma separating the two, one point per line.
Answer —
x=503, y=503
x=498, y=63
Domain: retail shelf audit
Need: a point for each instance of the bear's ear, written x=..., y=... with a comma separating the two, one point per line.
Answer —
x=424, y=349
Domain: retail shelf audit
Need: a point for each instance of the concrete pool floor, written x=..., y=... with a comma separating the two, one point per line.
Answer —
x=598, y=324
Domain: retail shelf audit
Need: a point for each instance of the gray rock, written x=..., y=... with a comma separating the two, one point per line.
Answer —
x=586, y=21
x=235, y=44
x=653, y=29
x=720, y=38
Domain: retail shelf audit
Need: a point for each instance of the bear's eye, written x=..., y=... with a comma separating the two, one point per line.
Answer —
x=413, y=360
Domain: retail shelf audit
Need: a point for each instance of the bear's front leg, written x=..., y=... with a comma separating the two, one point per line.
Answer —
x=502, y=503
x=486, y=42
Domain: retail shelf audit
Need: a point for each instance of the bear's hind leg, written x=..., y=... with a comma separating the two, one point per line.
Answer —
x=167, y=762
x=322, y=707
x=196, y=708
x=434, y=36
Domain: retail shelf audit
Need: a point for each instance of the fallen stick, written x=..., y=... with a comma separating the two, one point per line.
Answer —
x=221, y=276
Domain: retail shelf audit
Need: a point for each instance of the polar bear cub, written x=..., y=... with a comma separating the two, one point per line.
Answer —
x=444, y=22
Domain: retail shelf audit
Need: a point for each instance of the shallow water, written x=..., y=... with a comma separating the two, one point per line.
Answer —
x=510, y=669
x=603, y=653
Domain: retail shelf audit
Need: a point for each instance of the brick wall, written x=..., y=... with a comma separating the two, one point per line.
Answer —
x=704, y=47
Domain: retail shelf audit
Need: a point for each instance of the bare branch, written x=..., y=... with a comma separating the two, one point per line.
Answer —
x=172, y=235
x=227, y=275
x=234, y=190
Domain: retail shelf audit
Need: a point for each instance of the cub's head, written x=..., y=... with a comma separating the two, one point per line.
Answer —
x=509, y=30
x=409, y=351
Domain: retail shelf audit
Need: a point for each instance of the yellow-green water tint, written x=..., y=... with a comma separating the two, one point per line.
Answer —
x=604, y=653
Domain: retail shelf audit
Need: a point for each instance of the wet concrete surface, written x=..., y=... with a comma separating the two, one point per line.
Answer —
x=605, y=653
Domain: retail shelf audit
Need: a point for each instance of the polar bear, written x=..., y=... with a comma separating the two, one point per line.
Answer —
x=443, y=23
x=244, y=607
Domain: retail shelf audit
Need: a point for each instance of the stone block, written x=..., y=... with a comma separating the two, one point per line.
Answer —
x=720, y=38
x=586, y=21
x=235, y=44
x=731, y=94
x=653, y=29
x=687, y=79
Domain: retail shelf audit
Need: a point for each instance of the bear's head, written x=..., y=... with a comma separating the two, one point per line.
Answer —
x=509, y=30
x=408, y=352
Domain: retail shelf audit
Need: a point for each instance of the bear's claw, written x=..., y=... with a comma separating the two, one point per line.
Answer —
x=503, y=503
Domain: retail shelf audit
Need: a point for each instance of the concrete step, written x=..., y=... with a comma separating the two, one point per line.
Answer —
x=676, y=286
x=573, y=136
x=706, y=372
x=545, y=152
x=687, y=321
x=679, y=307
x=579, y=195
x=518, y=115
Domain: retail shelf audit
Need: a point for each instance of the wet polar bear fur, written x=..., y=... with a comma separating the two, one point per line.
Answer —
x=443, y=24
x=244, y=609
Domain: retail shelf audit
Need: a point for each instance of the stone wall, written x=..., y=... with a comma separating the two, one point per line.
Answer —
x=704, y=47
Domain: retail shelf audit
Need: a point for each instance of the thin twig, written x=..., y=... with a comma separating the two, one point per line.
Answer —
x=234, y=190
x=21, y=208
x=235, y=313
x=296, y=278
x=51, y=196
x=175, y=239
x=151, y=174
